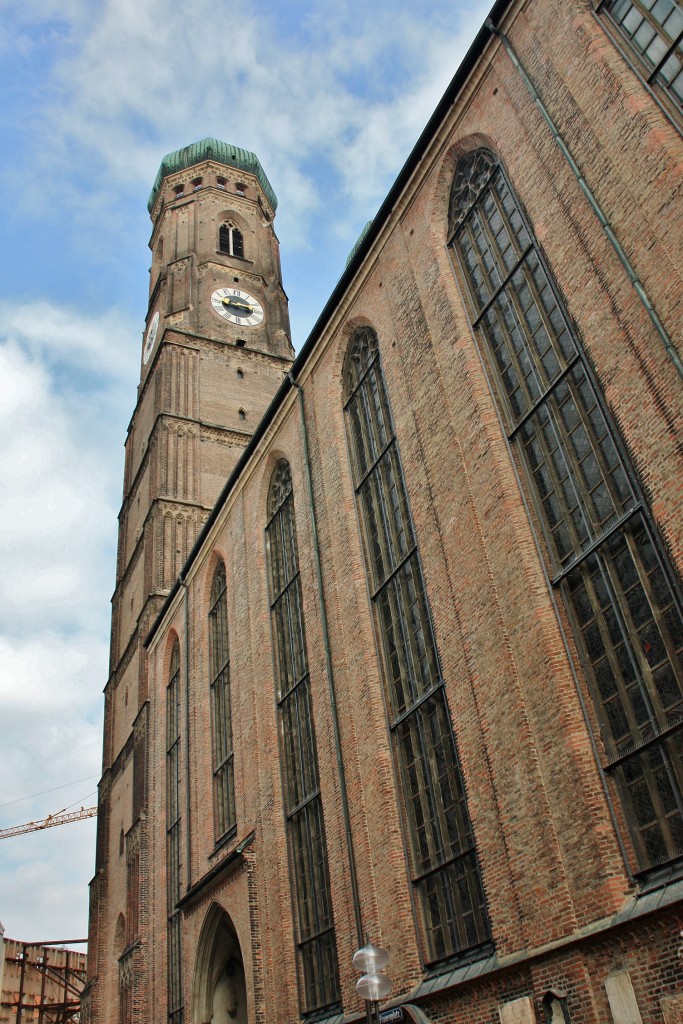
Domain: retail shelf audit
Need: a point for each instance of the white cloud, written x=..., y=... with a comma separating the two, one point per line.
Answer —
x=50, y=694
x=349, y=93
x=50, y=676
x=58, y=462
x=102, y=343
x=43, y=892
x=66, y=386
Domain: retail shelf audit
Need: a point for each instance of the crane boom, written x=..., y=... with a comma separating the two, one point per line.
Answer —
x=52, y=819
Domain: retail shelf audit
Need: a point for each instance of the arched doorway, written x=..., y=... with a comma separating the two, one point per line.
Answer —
x=219, y=994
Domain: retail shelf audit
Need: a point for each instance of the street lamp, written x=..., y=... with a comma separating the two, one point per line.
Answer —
x=374, y=983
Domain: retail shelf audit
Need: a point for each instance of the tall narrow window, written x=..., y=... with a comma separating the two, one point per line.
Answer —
x=654, y=31
x=132, y=887
x=303, y=805
x=125, y=992
x=140, y=765
x=603, y=556
x=173, y=862
x=442, y=855
x=230, y=240
x=219, y=659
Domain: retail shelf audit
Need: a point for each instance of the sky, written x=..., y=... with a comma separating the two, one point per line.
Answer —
x=331, y=95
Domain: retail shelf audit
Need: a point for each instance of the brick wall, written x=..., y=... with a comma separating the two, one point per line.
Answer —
x=565, y=911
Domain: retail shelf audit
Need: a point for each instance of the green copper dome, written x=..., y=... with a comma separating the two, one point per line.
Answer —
x=211, y=149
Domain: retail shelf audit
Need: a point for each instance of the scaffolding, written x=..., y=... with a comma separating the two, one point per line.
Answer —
x=54, y=977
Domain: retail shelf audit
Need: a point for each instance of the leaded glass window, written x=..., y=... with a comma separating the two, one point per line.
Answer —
x=173, y=854
x=221, y=715
x=654, y=31
x=231, y=240
x=442, y=855
x=303, y=805
x=603, y=556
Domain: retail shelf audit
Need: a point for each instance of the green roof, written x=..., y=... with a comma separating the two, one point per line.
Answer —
x=211, y=149
x=359, y=242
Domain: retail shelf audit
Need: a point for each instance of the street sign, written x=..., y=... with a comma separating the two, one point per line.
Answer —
x=393, y=1016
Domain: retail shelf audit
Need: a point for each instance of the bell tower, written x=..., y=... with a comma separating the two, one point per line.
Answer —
x=214, y=351
x=213, y=207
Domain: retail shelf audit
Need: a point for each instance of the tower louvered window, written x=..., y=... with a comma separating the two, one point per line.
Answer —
x=303, y=805
x=603, y=554
x=442, y=855
x=654, y=31
x=221, y=714
x=173, y=856
x=231, y=240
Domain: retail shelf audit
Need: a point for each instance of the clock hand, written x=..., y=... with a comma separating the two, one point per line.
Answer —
x=238, y=304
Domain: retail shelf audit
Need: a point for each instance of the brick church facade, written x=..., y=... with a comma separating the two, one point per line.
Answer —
x=397, y=628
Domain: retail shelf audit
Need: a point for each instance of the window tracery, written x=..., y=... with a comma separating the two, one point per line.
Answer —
x=443, y=860
x=221, y=711
x=173, y=850
x=303, y=805
x=604, y=557
x=653, y=29
x=231, y=240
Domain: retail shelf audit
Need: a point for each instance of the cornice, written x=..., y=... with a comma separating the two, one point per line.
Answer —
x=232, y=860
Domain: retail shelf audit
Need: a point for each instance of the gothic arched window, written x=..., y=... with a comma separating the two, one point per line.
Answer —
x=442, y=855
x=173, y=854
x=303, y=805
x=605, y=559
x=230, y=240
x=654, y=31
x=221, y=715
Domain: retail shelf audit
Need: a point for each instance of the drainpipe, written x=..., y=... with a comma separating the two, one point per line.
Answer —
x=188, y=845
x=329, y=670
x=607, y=228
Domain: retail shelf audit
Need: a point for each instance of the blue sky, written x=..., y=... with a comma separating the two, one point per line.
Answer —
x=331, y=97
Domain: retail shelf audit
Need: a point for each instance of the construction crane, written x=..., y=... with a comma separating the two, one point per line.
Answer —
x=60, y=818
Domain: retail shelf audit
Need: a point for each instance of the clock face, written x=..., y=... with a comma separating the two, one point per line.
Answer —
x=237, y=307
x=151, y=337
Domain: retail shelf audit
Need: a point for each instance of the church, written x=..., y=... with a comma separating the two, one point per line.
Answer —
x=397, y=626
